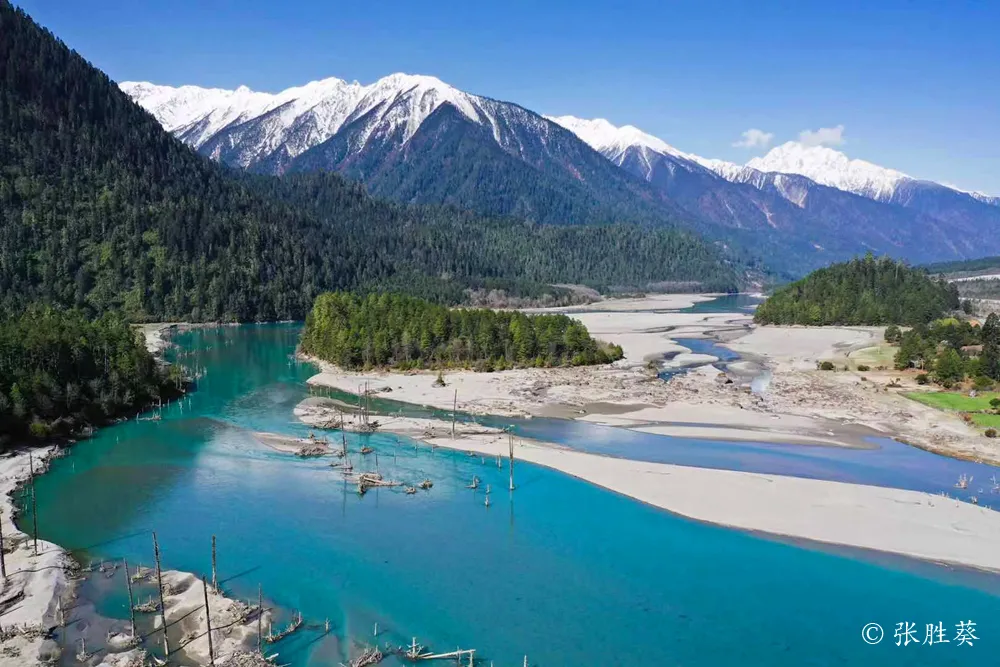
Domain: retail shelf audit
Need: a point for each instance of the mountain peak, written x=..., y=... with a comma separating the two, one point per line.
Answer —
x=404, y=81
x=830, y=167
x=607, y=138
x=301, y=116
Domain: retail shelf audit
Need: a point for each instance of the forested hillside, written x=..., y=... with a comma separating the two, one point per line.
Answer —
x=392, y=330
x=101, y=209
x=59, y=371
x=965, y=267
x=459, y=249
x=862, y=291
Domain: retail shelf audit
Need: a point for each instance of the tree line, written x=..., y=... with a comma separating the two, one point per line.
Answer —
x=403, y=332
x=60, y=371
x=950, y=350
x=863, y=291
x=101, y=209
x=103, y=215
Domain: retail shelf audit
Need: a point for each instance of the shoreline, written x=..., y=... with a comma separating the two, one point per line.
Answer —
x=799, y=405
x=906, y=523
x=40, y=591
x=36, y=586
x=773, y=387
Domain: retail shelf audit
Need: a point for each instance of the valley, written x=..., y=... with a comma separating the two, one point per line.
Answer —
x=377, y=373
x=847, y=488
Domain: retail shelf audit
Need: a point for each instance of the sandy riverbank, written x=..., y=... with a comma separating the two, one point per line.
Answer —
x=156, y=335
x=234, y=623
x=38, y=586
x=799, y=404
x=39, y=591
x=35, y=585
x=908, y=523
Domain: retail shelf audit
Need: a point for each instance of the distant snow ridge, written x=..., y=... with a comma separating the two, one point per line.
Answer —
x=299, y=118
x=819, y=164
x=985, y=198
x=250, y=128
x=615, y=142
x=829, y=167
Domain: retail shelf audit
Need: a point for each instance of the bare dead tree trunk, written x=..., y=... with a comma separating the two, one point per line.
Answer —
x=34, y=502
x=510, y=442
x=131, y=603
x=215, y=578
x=3, y=560
x=159, y=587
x=260, y=619
x=208, y=623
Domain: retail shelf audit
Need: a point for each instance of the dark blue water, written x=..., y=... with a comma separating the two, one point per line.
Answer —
x=562, y=571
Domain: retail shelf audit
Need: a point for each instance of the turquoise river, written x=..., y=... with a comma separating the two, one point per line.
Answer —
x=561, y=571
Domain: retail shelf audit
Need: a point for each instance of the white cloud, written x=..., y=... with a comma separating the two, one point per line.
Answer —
x=824, y=136
x=754, y=138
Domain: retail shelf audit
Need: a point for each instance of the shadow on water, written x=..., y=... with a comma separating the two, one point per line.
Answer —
x=583, y=576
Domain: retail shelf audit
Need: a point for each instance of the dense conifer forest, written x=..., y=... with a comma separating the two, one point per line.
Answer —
x=397, y=331
x=102, y=209
x=862, y=291
x=105, y=219
x=60, y=371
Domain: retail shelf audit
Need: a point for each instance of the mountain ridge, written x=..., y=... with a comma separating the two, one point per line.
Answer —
x=102, y=209
x=416, y=139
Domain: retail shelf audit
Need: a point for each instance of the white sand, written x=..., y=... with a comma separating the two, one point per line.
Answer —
x=801, y=347
x=650, y=302
x=232, y=632
x=155, y=335
x=36, y=585
x=738, y=434
x=42, y=580
x=685, y=359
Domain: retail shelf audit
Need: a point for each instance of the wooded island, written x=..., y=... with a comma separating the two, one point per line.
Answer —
x=402, y=332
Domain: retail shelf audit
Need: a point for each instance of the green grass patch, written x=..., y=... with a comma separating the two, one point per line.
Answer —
x=949, y=400
x=985, y=420
x=874, y=356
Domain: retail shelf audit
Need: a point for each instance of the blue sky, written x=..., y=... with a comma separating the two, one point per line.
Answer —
x=915, y=84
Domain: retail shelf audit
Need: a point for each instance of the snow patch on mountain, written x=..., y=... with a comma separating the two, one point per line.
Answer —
x=985, y=198
x=603, y=136
x=830, y=167
x=614, y=142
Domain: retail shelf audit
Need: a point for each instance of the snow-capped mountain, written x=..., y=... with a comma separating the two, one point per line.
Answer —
x=815, y=196
x=417, y=139
x=245, y=128
x=411, y=138
x=985, y=198
x=615, y=142
x=830, y=167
